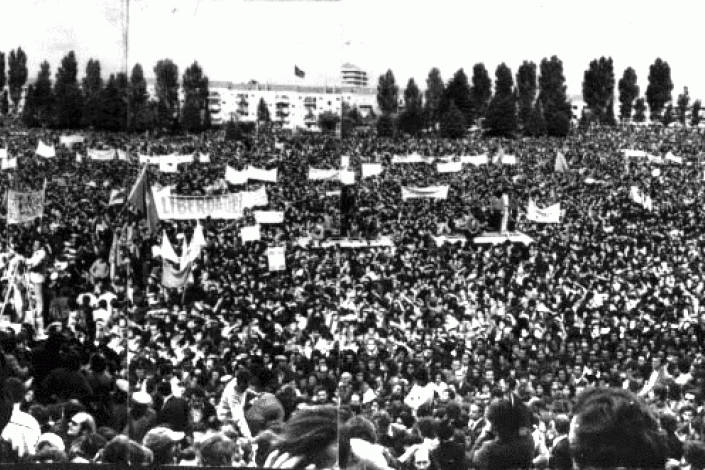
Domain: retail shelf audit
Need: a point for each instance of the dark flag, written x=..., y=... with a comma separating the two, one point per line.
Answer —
x=298, y=72
x=142, y=200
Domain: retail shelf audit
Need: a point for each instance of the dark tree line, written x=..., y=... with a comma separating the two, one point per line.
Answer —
x=534, y=103
x=118, y=103
x=534, y=106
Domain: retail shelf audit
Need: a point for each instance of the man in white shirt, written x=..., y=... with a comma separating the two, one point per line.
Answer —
x=23, y=430
x=37, y=275
x=231, y=408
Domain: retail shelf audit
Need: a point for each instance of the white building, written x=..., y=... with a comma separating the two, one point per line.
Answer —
x=353, y=76
x=290, y=106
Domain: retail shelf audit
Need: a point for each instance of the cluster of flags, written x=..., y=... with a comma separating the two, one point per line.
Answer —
x=176, y=270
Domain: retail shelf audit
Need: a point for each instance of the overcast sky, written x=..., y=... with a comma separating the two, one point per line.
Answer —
x=238, y=40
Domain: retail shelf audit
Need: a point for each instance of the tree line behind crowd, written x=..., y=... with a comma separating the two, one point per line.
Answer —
x=533, y=103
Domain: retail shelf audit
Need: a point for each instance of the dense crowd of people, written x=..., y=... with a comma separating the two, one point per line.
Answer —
x=581, y=347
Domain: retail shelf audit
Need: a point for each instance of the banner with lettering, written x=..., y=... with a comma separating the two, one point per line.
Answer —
x=276, y=258
x=549, y=215
x=226, y=206
x=149, y=159
x=24, y=207
x=101, y=155
x=433, y=192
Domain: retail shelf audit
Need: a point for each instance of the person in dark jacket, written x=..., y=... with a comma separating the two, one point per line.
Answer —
x=560, y=449
x=174, y=412
x=503, y=444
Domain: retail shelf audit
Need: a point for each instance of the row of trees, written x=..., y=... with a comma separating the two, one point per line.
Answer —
x=598, y=92
x=534, y=105
x=118, y=104
x=537, y=105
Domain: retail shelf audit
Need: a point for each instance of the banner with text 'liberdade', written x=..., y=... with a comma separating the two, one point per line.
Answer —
x=24, y=207
x=226, y=206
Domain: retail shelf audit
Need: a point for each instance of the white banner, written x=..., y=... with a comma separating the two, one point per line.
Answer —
x=269, y=217
x=46, y=151
x=226, y=206
x=672, y=158
x=250, y=234
x=476, y=160
x=333, y=193
x=123, y=156
x=321, y=174
x=234, y=176
x=355, y=243
x=435, y=192
x=24, y=207
x=3, y=154
x=371, y=169
x=634, y=153
x=71, y=140
x=549, y=215
x=413, y=158
x=654, y=159
x=149, y=159
x=442, y=240
x=167, y=167
x=258, y=174
x=9, y=164
x=276, y=258
x=101, y=155
x=255, y=198
x=204, y=157
x=347, y=177
x=168, y=159
x=344, y=161
x=452, y=167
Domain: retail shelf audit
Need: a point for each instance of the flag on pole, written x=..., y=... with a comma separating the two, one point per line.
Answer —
x=561, y=164
x=298, y=72
x=117, y=196
x=175, y=278
x=183, y=260
x=142, y=200
x=167, y=250
x=198, y=241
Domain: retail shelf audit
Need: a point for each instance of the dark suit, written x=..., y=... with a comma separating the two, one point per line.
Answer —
x=174, y=413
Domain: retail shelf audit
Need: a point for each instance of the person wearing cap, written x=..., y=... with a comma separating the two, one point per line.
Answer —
x=164, y=444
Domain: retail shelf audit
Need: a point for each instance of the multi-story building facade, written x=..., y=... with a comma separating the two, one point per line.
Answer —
x=290, y=106
x=353, y=76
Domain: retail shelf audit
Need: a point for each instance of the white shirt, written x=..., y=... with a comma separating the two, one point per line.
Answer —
x=38, y=258
x=22, y=432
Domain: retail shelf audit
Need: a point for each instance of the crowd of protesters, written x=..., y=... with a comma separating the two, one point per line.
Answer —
x=441, y=355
